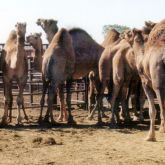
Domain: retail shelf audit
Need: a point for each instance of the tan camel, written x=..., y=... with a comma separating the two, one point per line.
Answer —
x=36, y=42
x=14, y=67
x=125, y=70
x=151, y=67
x=121, y=58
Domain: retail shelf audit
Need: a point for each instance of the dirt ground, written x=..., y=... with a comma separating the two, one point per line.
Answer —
x=84, y=144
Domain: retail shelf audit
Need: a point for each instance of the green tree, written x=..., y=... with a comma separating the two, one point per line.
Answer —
x=119, y=28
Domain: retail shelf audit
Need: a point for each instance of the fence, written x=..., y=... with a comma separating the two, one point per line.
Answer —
x=33, y=89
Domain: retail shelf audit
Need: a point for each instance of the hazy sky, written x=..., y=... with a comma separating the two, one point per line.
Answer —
x=90, y=15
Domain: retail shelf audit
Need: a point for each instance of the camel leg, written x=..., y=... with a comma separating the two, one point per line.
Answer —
x=161, y=99
x=68, y=100
x=63, y=113
x=92, y=99
x=20, y=103
x=124, y=103
x=42, y=101
x=114, y=105
x=8, y=101
x=152, y=112
x=51, y=95
x=142, y=101
x=100, y=87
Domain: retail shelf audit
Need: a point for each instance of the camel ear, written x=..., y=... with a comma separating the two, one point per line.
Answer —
x=16, y=24
x=39, y=34
x=150, y=23
x=136, y=31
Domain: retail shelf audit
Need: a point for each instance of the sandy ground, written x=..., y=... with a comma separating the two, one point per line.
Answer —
x=84, y=144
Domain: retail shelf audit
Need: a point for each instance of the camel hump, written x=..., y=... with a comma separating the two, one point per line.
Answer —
x=62, y=38
x=112, y=36
x=157, y=35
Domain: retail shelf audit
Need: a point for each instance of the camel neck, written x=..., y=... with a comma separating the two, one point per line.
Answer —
x=38, y=59
x=50, y=36
x=20, y=40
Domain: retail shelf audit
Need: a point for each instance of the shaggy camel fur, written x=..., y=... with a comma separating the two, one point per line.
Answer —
x=86, y=53
x=14, y=67
x=151, y=67
x=36, y=42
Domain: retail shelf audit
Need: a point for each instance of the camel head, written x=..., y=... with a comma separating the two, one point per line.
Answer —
x=20, y=29
x=49, y=26
x=128, y=36
x=34, y=40
x=149, y=25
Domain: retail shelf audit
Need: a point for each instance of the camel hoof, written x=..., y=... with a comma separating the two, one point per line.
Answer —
x=71, y=122
x=4, y=122
x=99, y=123
x=54, y=123
x=113, y=126
x=40, y=121
x=89, y=117
x=105, y=116
x=19, y=120
x=151, y=139
x=26, y=118
x=46, y=119
x=162, y=130
x=60, y=119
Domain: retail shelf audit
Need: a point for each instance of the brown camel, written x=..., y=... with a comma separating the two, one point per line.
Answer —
x=151, y=67
x=125, y=71
x=82, y=46
x=14, y=67
x=36, y=42
x=120, y=57
x=86, y=53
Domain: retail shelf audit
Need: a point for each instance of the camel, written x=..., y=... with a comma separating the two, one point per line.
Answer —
x=86, y=53
x=14, y=67
x=111, y=38
x=125, y=71
x=36, y=42
x=117, y=70
x=150, y=57
x=76, y=37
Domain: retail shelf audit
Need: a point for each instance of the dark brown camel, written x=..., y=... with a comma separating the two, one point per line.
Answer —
x=82, y=46
x=86, y=54
x=14, y=67
x=151, y=67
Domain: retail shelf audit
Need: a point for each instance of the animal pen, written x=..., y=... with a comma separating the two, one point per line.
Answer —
x=33, y=90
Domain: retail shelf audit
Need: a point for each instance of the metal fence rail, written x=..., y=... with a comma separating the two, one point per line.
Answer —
x=33, y=89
